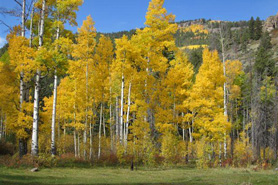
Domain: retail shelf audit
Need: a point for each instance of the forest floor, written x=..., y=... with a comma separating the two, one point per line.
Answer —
x=107, y=175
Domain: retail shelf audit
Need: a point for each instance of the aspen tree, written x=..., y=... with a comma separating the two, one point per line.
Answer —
x=64, y=11
x=155, y=39
x=83, y=53
x=206, y=100
x=21, y=59
x=34, y=146
x=102, y=78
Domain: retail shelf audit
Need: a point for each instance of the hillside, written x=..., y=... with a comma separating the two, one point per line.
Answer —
x=193, y=35
x=201, y=33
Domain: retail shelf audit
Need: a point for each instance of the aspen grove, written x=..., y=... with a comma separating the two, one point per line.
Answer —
x=134, y=99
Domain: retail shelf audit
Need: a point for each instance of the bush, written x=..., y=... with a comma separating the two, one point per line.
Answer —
x=6, y=148
x=15, y=162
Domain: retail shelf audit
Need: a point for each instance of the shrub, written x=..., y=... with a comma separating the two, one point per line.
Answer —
x=6, y=148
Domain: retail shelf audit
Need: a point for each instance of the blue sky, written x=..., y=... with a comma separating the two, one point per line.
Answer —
x=117, y=15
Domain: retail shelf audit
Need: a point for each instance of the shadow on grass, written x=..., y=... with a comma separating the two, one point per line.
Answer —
x=33, y=180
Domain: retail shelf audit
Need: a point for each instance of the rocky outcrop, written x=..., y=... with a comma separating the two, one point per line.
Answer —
x=271, y=23
x=188, y=23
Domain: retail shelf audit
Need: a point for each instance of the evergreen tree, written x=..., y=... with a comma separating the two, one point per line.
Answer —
x=252, y=28
x=258, y=29
x=264, y=64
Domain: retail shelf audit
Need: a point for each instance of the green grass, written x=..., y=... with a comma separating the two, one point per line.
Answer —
x=102, y=175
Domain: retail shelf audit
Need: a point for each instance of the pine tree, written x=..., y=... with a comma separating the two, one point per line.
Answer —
x=252, y=28
x=264, y=64
x=258, y=28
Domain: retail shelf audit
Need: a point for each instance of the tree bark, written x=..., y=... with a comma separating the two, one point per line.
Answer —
x=110, y=117
x=23, y=18
x=75, y=144
x=99, y=131
x=117, y=118
x=86, y=114
x=31, y=25
x=74, y=134
x=127, y=115
x=103, y=121
x=78, y=144
x=35, y=148
x=122, y=110
x=276, y=118
x=53, y=125
x=91, y=140
x=1, y=126
x=222, y=41
x=21, y=98
x=183, y=126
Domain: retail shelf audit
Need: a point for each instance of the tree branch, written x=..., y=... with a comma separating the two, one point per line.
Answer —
x=10, y=12
x=18, y=3
x=2, y=22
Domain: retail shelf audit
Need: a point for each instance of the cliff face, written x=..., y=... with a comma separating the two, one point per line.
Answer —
x=188, y=23
x=271, y=23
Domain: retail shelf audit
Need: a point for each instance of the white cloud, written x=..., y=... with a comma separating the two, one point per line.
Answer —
x=2, y=42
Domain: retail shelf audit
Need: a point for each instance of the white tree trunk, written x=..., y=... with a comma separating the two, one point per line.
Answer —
x=41, y=27
x=190, y=134
x=222, y=41
x=78, y=144
x=75, y=144
x=31, y=25
x=99, y=131
x=183, y=134
x=23, y=18
x=86, y=116
x=53, y=125
x=91, y=141
x=21, y=98
x=225, y=107
x=117, y=118
x=22, y=35
x=74, y=134
x=183, y=126
x=65, y=129
x=103, y=121
x=34, y=147
x=127, y=115
x=122, y=110
x=220, y=153
x=191, y=130
x=110, y=117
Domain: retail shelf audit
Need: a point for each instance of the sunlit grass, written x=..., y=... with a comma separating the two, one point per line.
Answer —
x=140, y=176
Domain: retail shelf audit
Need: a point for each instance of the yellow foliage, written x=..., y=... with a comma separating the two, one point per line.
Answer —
x=194, y=47
x=195, y=28
x=169, y=147
x=233, y=70
x=205, y=101
x=242, y=151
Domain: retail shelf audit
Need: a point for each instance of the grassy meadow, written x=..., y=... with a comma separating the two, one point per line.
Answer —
x=107, y=175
